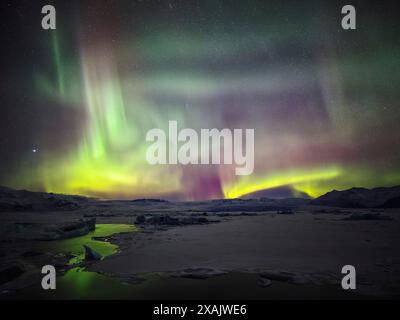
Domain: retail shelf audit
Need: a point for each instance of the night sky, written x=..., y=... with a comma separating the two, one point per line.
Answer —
x=76, y=103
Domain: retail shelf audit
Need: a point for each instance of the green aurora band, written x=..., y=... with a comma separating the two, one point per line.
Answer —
x=313, y=111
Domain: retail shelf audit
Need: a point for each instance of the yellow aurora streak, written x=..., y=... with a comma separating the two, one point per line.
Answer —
x=251, y=184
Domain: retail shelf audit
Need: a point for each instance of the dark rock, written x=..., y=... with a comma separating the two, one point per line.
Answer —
x=278, y=276
x=29, y=254
x=367, y=216
x=90, y=254
x=165, y=219
x=285, y=211
x=198, y=273
x=69, y=230
x=249, y=214
x=140, y=219
x=193, y=220
x=263, y=282
x=10, y=273
x=90, y=223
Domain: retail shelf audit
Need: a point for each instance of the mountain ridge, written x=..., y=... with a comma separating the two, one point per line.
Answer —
x=356, y=197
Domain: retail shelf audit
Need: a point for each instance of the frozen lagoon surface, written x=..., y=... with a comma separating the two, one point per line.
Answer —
x=310, y=244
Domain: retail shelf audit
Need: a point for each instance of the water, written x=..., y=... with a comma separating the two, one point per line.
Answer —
x=79, y=284
x=74, y=246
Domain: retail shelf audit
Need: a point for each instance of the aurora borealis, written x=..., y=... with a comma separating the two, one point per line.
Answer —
x=324, y=102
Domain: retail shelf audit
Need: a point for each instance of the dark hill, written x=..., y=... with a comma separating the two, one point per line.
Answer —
x=277, y=193
x=22, y=200
x=361, y=198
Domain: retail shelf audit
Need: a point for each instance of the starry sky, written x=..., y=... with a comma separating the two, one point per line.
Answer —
x=76, y=102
